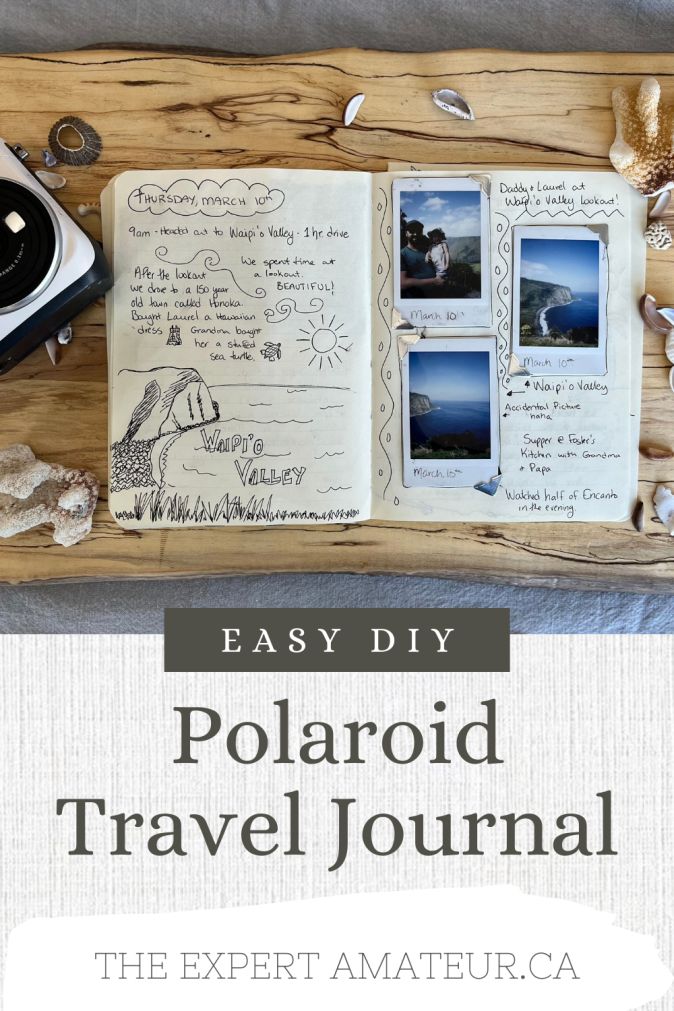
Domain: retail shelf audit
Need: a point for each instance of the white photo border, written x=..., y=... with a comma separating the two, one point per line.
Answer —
x=549, y=360
x=452, y=473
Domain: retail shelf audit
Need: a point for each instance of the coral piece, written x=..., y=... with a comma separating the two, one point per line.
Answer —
x=643, y=151
x=663, y=500
x=33, y=492
x=658, y=235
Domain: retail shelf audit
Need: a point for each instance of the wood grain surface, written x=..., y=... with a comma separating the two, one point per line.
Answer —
x=160, y=110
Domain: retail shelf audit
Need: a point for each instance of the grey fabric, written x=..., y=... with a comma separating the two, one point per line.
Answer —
x=265, y=26
x=137, y=607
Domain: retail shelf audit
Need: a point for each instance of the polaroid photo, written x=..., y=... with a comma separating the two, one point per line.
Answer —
x=442, y=275
x=560, y=291
x=450, y=413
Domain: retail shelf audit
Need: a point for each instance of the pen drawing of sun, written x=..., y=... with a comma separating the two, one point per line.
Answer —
x=324, y=342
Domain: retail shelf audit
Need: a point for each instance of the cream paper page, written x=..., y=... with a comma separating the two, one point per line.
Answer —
x=569, y=444
x=239, y=347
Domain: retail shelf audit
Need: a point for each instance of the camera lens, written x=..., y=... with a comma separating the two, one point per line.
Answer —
x=28, y=245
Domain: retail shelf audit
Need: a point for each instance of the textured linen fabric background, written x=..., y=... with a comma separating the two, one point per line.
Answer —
x=266, y=26
x=600, y=719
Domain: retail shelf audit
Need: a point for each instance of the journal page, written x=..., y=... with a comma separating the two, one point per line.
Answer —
x=559, y=401
x=239, y=347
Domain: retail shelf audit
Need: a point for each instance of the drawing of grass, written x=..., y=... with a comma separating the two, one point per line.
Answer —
x=159, y=507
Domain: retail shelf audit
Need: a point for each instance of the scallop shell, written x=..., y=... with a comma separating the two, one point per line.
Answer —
x=658, y=235
x=351, y=108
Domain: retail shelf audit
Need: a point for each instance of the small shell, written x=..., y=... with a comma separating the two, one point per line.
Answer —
x=656, y=452
x=638, y=516
x=663, y=500
x=351, y=108
x=65, y=335
x=48, y=158
x=661, y=204
x=451, y=101
x=52, y=180
x=669, y=346
x=671, y=379
x=652, y=316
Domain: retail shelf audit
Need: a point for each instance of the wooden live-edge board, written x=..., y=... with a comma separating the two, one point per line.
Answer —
x=159, y=110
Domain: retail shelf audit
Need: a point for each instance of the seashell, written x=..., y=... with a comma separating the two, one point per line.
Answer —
x=638, y=516
x=663, y=500
x=65, y=335
x=671, y=379
x=52, y=180
x=658, y=235
x=52, y=349
x=451, y=101
x=351, y=108
x=84, y=210
x=89, y=144
x=48, y=158
x=669, y=346
x=656, y=452
x=653, y=317
x=643, y=149
x=661, y=204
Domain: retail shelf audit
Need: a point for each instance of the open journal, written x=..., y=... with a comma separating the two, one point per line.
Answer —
x=328, y=347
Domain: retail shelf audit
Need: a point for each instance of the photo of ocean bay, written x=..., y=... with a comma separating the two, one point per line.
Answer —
x=582, y=312
x=559, y=293
x=451, y=430
x=449, y=405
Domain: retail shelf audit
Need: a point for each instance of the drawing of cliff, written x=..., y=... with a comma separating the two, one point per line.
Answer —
x=419, y=404
x=166, y=402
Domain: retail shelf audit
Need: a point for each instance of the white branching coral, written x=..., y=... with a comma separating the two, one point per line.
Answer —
x=33, y=493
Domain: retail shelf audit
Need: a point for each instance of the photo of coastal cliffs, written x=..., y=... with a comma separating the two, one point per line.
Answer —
x=449, y=405
x=559, y=282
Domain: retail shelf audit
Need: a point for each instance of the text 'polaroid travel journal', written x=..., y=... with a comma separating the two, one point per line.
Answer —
x=316, y=347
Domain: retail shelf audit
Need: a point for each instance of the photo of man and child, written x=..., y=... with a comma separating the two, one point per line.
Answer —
x=440, y=244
